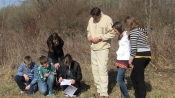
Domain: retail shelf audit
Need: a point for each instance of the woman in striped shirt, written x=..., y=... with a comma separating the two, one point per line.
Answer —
x=140, y=54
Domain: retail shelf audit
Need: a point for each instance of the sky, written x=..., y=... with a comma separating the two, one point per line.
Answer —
x=4, y=3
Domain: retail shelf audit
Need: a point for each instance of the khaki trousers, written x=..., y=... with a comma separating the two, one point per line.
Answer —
x=99, y=60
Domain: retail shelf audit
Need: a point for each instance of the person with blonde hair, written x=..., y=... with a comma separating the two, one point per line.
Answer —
x=27, y=75
x=140, y=55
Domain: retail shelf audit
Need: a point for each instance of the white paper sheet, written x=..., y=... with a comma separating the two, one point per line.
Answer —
x=70, y=90
x=66, y=82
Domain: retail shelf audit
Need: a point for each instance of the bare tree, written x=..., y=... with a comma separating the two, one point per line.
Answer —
x=1, y=44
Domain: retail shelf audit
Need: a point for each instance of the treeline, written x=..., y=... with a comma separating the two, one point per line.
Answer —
x=25, y=28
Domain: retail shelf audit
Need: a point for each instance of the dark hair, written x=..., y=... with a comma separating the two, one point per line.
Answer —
x=95, y=11
x=118, y=26
x=43, y=60
x=53, y=36
x=67, y=59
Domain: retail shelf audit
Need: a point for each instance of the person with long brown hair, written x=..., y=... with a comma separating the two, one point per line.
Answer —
x=123, y=53
x=140, y=55
x=55, y=46
x=55, y=53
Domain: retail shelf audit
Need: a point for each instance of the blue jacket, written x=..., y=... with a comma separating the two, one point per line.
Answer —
x=31, y=72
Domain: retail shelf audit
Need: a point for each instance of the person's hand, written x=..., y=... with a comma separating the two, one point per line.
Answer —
x=56, y=65
x=72, y=81
x=27, y=87
x=96, y=39
x=60, y=79
x=90, y=38
x=46, y=75
x=26, y=77
x=54, y=73
x=130, y=64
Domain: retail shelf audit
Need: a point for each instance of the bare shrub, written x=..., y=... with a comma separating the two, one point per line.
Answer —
x=28, y=27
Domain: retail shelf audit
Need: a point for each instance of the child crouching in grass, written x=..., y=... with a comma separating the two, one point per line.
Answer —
x=27, y=75
x=46, y=76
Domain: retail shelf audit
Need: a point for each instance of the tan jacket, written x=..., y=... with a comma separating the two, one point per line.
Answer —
x=102, y=28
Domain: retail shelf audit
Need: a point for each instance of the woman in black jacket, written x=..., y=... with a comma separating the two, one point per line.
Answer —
x=55, y=53
x=55, y=45
x=70, y=69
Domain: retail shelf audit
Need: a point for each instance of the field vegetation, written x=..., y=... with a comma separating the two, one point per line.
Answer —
x=25, y=28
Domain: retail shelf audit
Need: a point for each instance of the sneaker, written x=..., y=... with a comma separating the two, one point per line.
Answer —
x=22, y=92
x=49, y=94
x=66, y=95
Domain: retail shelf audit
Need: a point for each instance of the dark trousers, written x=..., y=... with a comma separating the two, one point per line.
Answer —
x=22, y=84
x=137, y=76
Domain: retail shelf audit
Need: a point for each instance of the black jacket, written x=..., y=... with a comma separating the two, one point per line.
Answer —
x=57, y=50
x=74, y=68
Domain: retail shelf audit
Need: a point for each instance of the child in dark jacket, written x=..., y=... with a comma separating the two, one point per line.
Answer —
x=70, y=69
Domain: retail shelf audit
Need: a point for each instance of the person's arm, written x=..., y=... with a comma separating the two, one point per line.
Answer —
x=40, y=73
x=35, y=74
x=52, y=70
x=125, y=43
x=89, y=36
x=49, y=44
x=61, y=42
x=78, y=72
x=109, y=32
x=60, y=71
x=133, y=41
x=51, y=52
x=88, y=30
x=20, y=69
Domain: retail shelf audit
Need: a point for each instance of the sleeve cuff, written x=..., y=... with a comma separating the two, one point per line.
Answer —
x=131, y=58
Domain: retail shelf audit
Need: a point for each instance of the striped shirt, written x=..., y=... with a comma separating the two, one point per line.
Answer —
x=31, y=72
x=139, y=41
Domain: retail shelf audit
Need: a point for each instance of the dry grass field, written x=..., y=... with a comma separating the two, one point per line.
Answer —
x=160, y=84
x=24, y=30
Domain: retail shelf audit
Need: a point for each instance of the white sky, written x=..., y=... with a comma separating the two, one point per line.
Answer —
x=4, y=3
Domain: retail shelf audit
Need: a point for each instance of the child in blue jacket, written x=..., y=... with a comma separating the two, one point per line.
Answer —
x=27, y=75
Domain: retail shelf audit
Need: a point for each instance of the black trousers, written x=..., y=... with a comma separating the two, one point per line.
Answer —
x=137, y=76
x=21, y=84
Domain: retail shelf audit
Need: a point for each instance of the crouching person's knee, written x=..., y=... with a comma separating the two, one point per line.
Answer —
x=43, y=91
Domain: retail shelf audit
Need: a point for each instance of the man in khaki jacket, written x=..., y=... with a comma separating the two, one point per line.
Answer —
x=100, y=33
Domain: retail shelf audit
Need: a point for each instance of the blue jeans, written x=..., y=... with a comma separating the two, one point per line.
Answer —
x=47, y=85
x=120, y=80
x=21, y=84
